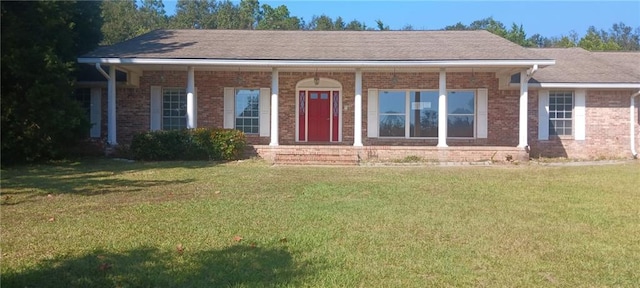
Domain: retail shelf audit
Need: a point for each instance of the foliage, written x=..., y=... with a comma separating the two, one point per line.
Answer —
x=108, y=223
x=277, y=19
x=40, y=42
x=193, y=144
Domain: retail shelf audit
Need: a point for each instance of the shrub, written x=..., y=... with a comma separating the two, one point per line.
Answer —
x=192, y=144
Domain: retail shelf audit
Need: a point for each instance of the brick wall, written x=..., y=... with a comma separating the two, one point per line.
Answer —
x=607, y=111
x=607, y=129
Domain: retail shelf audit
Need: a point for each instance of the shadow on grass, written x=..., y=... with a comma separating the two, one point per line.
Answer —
x=237, y=265
x=88, y=177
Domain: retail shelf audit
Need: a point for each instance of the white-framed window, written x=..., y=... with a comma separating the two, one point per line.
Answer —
x=561, y=113
x=414, y=113
x=247, y=110
x=174, y=108
x=461, y=113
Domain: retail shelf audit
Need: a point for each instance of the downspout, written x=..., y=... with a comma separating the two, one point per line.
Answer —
x=102, y=71
x=632, y=122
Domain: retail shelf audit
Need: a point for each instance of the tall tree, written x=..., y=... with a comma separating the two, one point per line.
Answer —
x=355, y=25
x=152, y=16
x=381, y=25
x=322, y=22
x=193, y=14
x=339, y=24
x=517, y=35
x=593, y=41
x=277, y=19
x=121, y=21
x=226, y=15
x=625, y=36
x=249, y=14
x=40, y=43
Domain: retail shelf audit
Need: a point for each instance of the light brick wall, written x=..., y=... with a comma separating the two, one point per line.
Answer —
x=607, y=112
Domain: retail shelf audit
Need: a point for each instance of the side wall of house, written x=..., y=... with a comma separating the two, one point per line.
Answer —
x=606, y=128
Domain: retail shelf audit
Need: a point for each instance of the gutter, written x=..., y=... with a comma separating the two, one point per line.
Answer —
x=318, y=63
x=632, y=130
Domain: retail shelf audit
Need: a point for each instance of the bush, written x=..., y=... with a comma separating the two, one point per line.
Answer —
x=192, y=144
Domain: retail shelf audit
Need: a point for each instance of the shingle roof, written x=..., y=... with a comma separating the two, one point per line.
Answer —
x=576, y=65
x=317, y=45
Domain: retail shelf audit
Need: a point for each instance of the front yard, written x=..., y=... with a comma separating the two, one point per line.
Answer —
x=107, y=223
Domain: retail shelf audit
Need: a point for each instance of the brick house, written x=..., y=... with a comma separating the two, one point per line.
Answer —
x=371, y=95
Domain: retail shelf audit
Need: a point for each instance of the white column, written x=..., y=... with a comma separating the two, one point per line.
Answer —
x=357, y=111
x=111, y=107
x=191, y=103
x=274, y=107
x=442, y=109
x=524, y=96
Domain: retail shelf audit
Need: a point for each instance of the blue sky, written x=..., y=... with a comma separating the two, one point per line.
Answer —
x=548, y=18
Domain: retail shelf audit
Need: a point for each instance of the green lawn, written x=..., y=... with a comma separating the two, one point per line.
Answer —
x=106, y=223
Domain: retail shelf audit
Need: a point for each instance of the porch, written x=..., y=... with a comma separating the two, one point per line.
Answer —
x=353, y=155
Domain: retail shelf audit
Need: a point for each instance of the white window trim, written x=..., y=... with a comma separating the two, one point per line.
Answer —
x=162, y=106
x=264, y=109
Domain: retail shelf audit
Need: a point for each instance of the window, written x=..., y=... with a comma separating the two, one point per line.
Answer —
x=423, y=114
x=422, y=117
x=247, y=114
x=560, y=113
x=460, y=113
x=174, y=108
x=392, y=113
x=83, y=97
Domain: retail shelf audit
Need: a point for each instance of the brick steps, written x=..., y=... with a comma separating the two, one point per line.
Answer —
x=316, y=158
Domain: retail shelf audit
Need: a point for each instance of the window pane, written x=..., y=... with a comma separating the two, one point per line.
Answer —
x=174, y=108
x=247, y=110
x=460, y=126
x=423, y=115
x=391, y=102
x=560, y=114
x=461, y=102
x=391, y=125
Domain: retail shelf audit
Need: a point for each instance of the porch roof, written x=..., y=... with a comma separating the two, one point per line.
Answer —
x=312, y=48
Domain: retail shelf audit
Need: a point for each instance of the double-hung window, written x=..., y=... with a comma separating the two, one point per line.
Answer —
x=560, y=113
x=247, y=110
x=174, y=108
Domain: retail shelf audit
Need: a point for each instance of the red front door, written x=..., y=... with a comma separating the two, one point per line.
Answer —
x=319, y=108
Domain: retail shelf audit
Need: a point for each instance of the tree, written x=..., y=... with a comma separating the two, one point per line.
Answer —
x=517, y=35
x=339, y=24
x=227, y=15
x=625, y=36
x=120, y=21
x=151, y=16
x=593, y=41
x=40, y=43
x=381, y=25
x=193, y=14
x=489, y=24
x=322, y=22
x=277, y=19
x=249, y=14
x=355, y=25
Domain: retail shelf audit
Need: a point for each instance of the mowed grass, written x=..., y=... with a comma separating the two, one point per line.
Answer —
x=105, y=223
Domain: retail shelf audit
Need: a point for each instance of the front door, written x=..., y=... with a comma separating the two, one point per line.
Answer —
x=319, y=108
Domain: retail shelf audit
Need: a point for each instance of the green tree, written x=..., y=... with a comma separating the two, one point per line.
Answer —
x=381, y=25
x=355, y=25
x=339, y=24
x=249, y=14
x=193, y=14
x=277, y=19
x=121, y=21
x=489, y=24
x=625, y=36
x=227, y=15
x=40, y=43
x=593, y=41
x=152, y=16
x=322, y=22
x=517, y=35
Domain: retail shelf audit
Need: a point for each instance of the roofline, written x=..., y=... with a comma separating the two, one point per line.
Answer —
x=319, y=63
x=578, y=85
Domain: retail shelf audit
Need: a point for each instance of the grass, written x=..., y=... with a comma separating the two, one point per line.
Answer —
x=105, y=223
